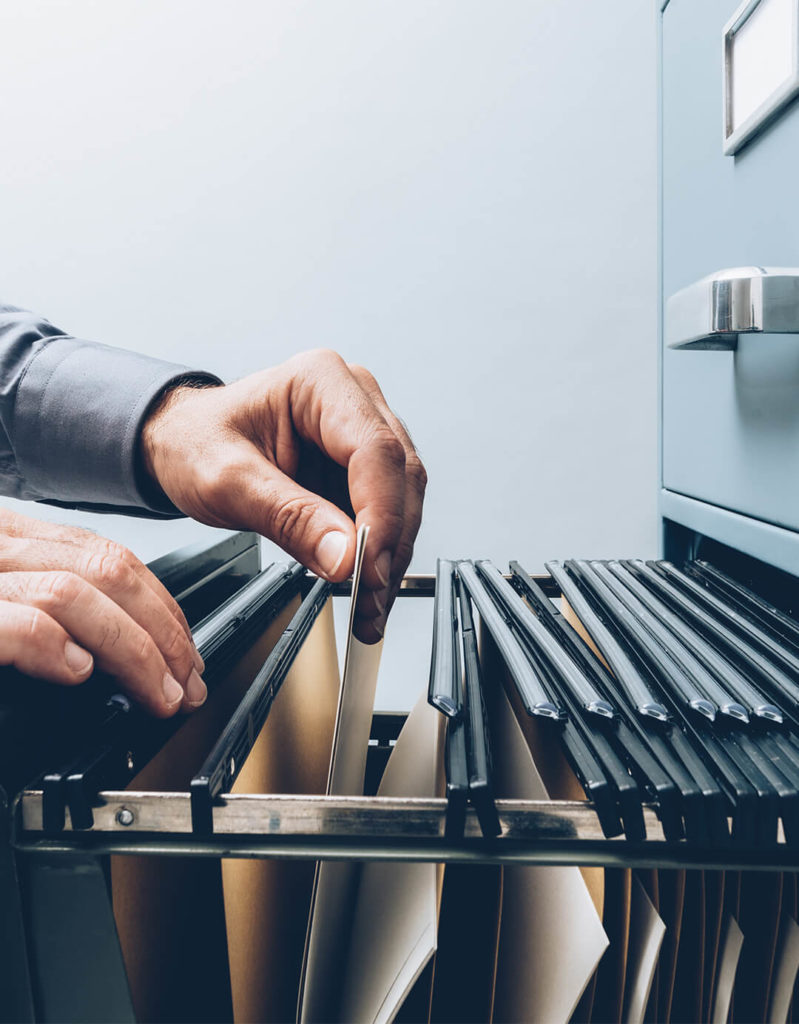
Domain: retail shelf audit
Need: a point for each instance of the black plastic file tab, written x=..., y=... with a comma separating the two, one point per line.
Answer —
x=528, y=682
x=537, y=638
x=223, y=764
x=444, y=688
x=638, y=694
x=478, y=744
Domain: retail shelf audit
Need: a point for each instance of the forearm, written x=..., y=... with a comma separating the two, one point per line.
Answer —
x=71, y=412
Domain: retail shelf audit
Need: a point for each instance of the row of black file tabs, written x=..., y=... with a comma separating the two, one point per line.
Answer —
x=674, y=687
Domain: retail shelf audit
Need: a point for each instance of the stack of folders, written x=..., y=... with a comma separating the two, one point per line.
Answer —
x=648, y=684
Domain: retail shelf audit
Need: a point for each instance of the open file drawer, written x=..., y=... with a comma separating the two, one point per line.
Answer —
x=182, y=895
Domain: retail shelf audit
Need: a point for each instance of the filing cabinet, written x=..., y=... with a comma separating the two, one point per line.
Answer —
x=730, y=429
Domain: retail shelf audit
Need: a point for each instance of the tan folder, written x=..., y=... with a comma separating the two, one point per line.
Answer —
x=169, y=910
x=267, y=901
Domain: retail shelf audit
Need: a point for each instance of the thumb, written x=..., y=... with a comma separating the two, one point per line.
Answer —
x=305, y=525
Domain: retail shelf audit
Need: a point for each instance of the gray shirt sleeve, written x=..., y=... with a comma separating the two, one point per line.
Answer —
x=70, y=416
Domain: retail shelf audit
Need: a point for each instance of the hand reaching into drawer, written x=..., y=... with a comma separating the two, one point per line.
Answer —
x=302, y=453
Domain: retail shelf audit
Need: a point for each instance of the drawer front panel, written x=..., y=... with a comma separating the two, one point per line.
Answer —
x=730, y=419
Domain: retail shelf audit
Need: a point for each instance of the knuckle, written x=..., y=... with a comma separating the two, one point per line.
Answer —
x=144, y=652
x=321, y=364
x=291, y=516
x=110, y=571
x=391, y=450
x=326, y=355
x=416, y=472
x=364, y=377
x=174, y=645
x=59, y=589
x=403, y=555
x=33, y=624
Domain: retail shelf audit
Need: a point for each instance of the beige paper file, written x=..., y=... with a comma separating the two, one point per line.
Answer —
x=395, y=924
x=786, y=967
x=169, y=910
x=267, y=901
x=335, y=882
x=551, y=937
x=646, y=935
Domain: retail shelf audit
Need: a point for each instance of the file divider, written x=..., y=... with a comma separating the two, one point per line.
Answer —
x=729, y=614
x=780, y=689
x=711, y=671
x=478, y=743
x=647, y=755
x=628, y=677
x=444, y=688
x=750, y=604
x=228, y=755
x=529, y=684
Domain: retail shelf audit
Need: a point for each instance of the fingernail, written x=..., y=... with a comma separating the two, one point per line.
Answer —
x=331, y=550
x=79, y=661
x=199, y=664
x=173, y=691
x=196, y=690
x=380, y=598
x=383, y=567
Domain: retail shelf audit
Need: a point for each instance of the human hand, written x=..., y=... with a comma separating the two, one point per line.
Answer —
x=70, y=600
x=296, y=453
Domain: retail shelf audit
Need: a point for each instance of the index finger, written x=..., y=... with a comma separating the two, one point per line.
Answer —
x=415, y=475
x=331, y=409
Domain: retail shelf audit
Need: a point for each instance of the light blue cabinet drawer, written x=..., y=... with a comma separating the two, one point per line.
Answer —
x=730, y=431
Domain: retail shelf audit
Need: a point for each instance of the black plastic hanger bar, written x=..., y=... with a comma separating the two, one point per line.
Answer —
x=748, y=660
x=478, y=744
x=229, y=753
x=444, y=687
x=594, y=737
x=725, y=611
x=703, y=803
x=629, y=679
x=649, y=758
x=709, y=673
x=537, y=637
x=457, y=777
x=652, y=642
x=765, y=614
x=529, y=684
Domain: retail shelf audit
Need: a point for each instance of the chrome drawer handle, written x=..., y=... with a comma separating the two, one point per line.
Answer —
x=712, y=312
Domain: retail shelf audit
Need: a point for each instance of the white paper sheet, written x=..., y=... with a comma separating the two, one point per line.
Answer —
x=646, y=935
x=335, y=883
x=786, y=967
x=396, y=918
x=732, y=939
x=551, y=937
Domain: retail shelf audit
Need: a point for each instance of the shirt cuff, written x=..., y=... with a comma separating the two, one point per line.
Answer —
x=79, y=410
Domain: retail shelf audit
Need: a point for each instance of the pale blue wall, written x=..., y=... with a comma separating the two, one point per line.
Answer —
x=459, y=195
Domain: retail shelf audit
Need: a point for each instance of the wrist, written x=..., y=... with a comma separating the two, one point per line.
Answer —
x=153, y=449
